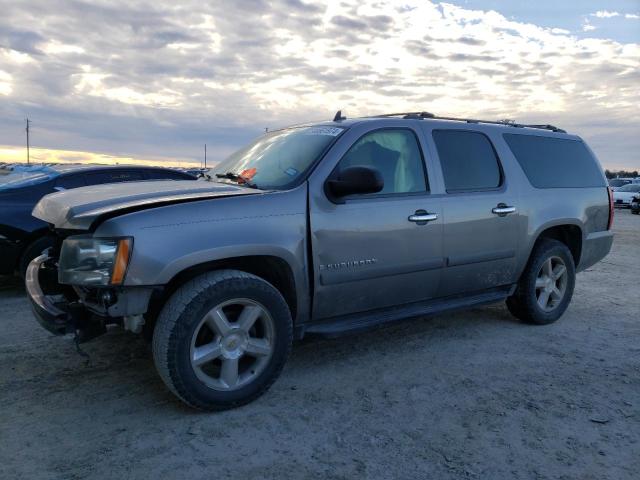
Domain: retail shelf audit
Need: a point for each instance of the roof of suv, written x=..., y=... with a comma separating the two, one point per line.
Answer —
x=507, y=126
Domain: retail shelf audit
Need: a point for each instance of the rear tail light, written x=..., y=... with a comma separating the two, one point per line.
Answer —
x=611, y=209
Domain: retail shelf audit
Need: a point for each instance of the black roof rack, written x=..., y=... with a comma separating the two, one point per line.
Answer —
x=547, y=127
x=422, y=115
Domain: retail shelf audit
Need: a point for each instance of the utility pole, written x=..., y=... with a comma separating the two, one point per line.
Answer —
x=205, y=155
x=27, y=129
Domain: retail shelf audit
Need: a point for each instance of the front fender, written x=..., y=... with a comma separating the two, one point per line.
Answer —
x=234, y=251
x=171, y=239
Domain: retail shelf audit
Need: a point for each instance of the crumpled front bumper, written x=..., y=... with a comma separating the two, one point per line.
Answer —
x=61, y=309
x=48, y=315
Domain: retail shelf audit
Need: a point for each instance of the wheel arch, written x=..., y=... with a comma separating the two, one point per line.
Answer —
x=271, y=268
x=29, y=240
x=569, y=232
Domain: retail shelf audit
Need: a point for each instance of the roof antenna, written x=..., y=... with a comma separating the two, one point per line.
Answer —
x=339, y=117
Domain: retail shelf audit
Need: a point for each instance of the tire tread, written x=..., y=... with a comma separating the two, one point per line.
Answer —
x=520, y=304
x=191, y=297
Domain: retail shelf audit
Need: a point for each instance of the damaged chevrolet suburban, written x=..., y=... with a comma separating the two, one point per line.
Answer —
x=323, y=229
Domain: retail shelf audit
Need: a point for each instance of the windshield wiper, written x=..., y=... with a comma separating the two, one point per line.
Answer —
x=237, y=178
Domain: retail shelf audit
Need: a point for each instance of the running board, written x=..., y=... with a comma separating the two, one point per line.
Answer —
x=357, y=322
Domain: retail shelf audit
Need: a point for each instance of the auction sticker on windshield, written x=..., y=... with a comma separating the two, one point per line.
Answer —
x=332, y=131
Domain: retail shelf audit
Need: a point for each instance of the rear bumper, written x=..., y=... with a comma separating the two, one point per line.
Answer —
x=47, y=314
x=596, y=246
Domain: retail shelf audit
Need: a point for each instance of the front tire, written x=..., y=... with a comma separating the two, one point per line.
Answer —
x=222, y=339
x=33, y=250
x=546, y=285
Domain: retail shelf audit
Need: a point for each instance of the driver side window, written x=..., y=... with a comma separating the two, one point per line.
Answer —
x=395, y=153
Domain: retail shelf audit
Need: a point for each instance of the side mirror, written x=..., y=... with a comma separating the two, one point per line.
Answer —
x=356, y=180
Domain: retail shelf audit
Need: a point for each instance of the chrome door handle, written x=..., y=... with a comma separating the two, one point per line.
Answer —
x=422, y=216
x=503, y=209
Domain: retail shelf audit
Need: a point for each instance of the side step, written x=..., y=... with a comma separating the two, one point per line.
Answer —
x=357, y=322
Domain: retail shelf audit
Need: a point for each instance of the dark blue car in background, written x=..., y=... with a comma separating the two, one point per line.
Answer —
x=23, y=237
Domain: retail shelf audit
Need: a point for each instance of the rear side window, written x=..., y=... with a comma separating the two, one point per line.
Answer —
x=113, y=177
x=70, y=181
x=555, y=162
x=468, y=160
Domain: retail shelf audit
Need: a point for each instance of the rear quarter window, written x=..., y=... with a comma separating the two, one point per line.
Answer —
x=555, y=162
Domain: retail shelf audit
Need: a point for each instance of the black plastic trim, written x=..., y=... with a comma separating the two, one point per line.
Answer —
x=363, y=321
x=479, y=258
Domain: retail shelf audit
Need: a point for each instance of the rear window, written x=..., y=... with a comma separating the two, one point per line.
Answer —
x=70, y=181
x=468, y=160
x=617, y=182
x=167, y=175
x=632, y=187
x=21, y=176
x=555, y=162
x=113, y=177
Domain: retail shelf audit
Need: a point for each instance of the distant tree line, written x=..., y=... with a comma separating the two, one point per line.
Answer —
x=621, y=173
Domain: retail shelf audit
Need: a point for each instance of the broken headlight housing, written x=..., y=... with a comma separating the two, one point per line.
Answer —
x=90, y=261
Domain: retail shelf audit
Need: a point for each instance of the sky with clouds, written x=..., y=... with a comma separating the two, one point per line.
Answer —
x=156, y=80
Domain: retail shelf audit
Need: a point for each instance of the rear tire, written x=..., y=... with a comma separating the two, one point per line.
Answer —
x=222, y=339
x=546, y=285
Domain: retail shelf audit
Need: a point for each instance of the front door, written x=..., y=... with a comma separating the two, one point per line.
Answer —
x=378, y=250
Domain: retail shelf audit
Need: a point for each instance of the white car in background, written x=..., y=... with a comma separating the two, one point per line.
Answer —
x=622, y=195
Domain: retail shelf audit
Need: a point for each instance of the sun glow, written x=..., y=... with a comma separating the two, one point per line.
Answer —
x=9, y=154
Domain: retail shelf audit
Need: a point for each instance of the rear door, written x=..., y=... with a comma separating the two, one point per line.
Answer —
x=480, y=213
x=369, y=251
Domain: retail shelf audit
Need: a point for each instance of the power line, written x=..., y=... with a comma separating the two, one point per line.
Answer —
x=27, y=129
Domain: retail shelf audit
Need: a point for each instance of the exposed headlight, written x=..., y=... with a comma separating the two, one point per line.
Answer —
x=85, y=260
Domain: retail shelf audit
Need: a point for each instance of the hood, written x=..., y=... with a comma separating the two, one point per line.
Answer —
x=79, y=208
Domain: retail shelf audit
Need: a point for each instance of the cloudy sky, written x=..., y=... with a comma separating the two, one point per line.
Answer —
x=156, y=80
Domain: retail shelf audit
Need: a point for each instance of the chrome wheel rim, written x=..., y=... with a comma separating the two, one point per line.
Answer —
x=551, y=283
x=232, y=344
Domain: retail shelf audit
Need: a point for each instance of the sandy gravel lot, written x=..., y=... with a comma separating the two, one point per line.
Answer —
x=466, y=395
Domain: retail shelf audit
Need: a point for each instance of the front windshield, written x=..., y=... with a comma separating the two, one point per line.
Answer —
x=277, y=159
x=630, y=188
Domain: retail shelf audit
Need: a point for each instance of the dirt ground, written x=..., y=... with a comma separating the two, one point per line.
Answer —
x=474, y=394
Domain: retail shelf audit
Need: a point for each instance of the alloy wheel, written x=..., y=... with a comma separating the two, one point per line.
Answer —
x=551, y=283
x=232, y=344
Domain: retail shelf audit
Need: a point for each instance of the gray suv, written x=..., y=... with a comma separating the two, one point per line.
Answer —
x=323, y=229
